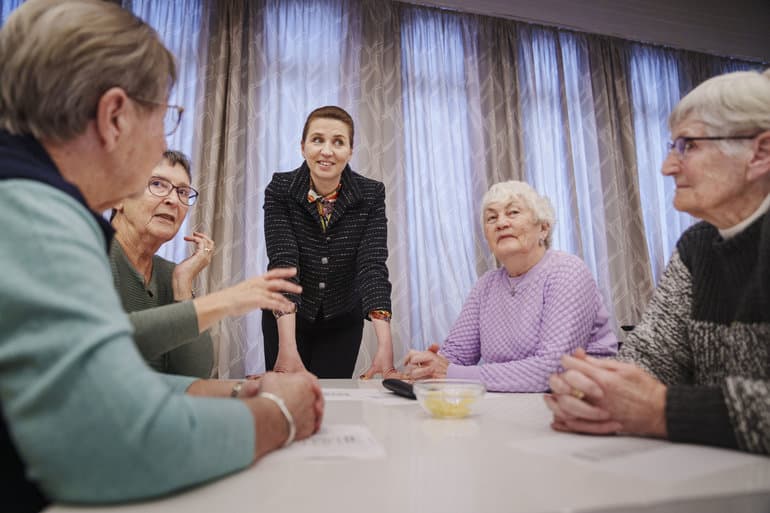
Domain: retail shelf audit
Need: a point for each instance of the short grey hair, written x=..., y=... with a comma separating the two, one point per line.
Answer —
x=59, y=57
x=506, y=192
x=176, y=157
x=736, y=103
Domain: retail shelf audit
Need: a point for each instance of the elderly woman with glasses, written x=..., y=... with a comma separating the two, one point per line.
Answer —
x=520, y=318
x=697, y=367
x=84, y=420
x=169, y=321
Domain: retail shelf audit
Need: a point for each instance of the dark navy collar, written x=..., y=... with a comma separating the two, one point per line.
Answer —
x=23, y=157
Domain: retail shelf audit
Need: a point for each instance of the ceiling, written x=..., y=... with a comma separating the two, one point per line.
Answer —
x=735, y=28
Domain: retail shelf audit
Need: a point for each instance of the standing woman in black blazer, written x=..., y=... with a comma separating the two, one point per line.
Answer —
x=328, y=222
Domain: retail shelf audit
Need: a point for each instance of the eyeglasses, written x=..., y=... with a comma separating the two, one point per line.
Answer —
x=173, y=114
x=682, y=144
x=161, y=188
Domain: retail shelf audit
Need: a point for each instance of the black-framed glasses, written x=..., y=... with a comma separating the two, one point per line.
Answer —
x=682, y=144
x=173, y=116
x=161, y=188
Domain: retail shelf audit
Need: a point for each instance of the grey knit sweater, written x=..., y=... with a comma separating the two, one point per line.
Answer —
x=706, y=335
x=166, y=332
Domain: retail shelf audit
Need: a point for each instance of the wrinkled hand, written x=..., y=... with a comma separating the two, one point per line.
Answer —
x=187, y=270
x=382, y=364
x=262, y=292
x=249, y=388
x=426, y=364
x=303, y=397
x=616, y=397
x=222, y=388
x=288, y=362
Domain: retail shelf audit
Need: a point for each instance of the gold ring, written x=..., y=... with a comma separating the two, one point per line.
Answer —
x=206, y=249
x=577, y=393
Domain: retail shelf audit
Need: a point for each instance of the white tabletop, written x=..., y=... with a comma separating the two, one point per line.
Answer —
x=504, y=458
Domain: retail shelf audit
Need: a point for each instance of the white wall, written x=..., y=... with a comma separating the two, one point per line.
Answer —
x=734, y=28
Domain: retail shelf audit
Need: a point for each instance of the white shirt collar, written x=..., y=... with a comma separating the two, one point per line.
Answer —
x=738, y=228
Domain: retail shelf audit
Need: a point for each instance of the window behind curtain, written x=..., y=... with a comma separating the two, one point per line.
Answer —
x=438, y=171
x=544, y=131
x=655, y=90
x=304, y=58
x=178, y=24
x=6, y=6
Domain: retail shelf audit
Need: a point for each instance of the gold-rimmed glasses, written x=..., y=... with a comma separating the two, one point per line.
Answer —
x=173, y=116
x=161, y=188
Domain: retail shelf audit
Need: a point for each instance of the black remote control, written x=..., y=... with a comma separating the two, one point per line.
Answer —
x=399, y=387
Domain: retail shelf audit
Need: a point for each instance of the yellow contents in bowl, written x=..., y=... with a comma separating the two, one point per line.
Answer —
x=439, y=404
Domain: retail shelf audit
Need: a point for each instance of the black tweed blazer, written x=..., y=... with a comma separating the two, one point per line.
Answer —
x=343, y=269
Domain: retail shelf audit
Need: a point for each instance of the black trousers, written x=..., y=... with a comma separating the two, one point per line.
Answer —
x=328, y=348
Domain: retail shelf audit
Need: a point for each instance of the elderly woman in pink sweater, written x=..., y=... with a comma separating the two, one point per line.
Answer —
x=521, y=318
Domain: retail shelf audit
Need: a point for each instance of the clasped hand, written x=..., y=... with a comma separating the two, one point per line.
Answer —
x=600, y=396
x=426, y=364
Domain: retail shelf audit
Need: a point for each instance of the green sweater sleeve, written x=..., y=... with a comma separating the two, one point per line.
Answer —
x=172, y=331
x=91, y=421
x=166, y=332
x=159, y=330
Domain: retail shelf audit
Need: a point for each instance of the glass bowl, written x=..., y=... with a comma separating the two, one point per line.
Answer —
x=448, y=398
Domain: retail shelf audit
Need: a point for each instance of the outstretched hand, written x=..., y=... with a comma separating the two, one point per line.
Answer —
x=263, y=292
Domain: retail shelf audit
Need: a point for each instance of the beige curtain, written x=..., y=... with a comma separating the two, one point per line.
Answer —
x=221, y=144
x=379, y=155
x=445, y=105
x=630, y=273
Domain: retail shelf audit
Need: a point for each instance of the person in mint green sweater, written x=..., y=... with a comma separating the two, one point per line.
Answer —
x=84, y=419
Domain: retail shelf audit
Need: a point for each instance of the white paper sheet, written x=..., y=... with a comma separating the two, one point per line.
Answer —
x=335, y=441
x=654, y=460
x=373, y=395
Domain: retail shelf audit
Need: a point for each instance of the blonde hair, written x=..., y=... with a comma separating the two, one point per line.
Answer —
x=506, y=192
x=735, y=103
x=59, y=57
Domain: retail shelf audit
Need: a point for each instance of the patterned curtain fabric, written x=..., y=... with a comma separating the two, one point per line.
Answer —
x=179, y=24
x=445, y=105
x=6, y=6
x=269, y=64
x=443, y=172
x=652, y=107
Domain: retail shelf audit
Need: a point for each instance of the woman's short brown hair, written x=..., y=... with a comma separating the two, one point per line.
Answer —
x=59, y=57
x=329, y=112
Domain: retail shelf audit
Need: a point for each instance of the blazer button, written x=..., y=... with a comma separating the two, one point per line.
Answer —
x=328, y=239
x=321, y=286
x=324, y=260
